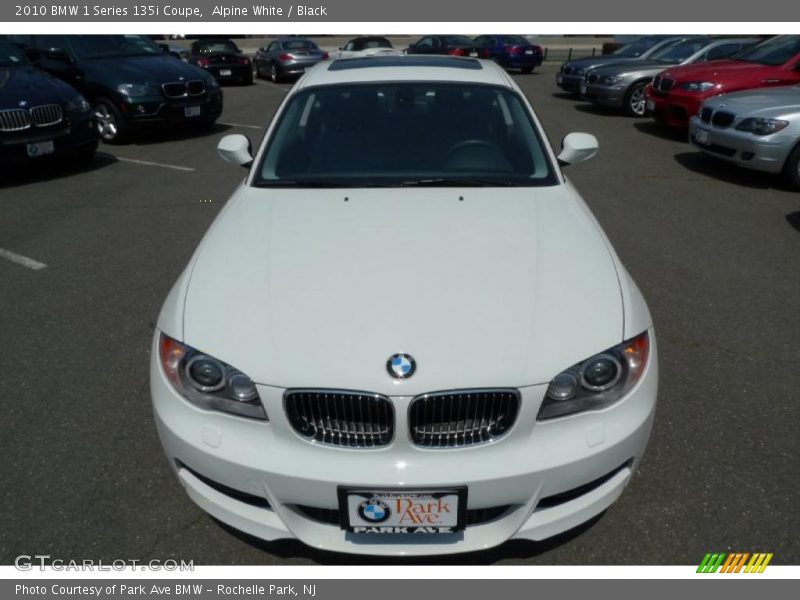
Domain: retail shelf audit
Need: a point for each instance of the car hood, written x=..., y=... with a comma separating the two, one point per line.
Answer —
x=31, y=86
x=775, y=101
x=596, y=61
x=639, y=67
x=140, y=69
x=318, y=288
x=719, y=71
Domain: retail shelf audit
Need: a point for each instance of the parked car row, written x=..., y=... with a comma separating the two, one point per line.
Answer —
x=739, y=98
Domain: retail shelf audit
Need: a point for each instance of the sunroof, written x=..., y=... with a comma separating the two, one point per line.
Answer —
x=343, y=64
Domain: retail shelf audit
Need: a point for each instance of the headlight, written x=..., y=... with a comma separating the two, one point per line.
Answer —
x=759, y=126
x=697, y=86
x=212, y=83
x=138, y=90
x=78, y=104
x=580, y=71
x=598, y=381
x=610, y=79
x=207, y=381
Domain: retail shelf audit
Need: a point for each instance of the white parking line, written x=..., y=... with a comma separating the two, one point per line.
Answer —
x=146, y=163
x=240, y=125
x=22, y=260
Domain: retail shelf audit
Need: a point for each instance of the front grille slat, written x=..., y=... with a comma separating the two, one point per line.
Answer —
x=722, y=119
x=442, y=419
x=46, y=115
x=341, y=418
x=15, y=119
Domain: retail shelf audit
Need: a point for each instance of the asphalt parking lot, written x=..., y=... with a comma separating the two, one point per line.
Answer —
x=711, y=247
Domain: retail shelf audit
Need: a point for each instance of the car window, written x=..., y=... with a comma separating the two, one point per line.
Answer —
x=773, y=52
x=299, y=45
x=426, y=42
x=11, y=55
x=377, y=43
x=273, y=47
x=680, y=51
x=484, y=40
x=515, y=40
x=722, y=51
x=458, y=40
x=111, y=46
x=210, y=47
x=637, y=47
x=349, y=46
x=390, y=133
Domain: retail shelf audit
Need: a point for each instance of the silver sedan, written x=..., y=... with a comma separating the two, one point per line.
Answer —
x=756, y=129
x=622, y=85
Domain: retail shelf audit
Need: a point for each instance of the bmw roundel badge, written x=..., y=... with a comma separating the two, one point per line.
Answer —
x=374, y=510
x=401, y=366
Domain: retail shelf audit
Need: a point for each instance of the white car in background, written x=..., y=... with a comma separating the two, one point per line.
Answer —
x=405, y=333
x=372, y=45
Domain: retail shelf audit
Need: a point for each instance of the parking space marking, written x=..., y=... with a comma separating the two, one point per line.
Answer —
x=240, y=125
x=148, y=163
x=22, y=260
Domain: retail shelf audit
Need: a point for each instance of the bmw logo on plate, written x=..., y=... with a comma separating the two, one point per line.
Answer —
x=374, y=510
x=401, y=366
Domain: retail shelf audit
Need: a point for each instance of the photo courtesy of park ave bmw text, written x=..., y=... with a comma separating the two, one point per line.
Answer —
x=420, y=287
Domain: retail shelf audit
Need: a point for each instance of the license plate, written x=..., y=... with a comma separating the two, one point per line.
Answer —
x=225, y=72
x=701, y=136
x=191, y=111
x=559, y=78
x=406, y=512
x=529, y=51
x=650, y=106
x=583, y=88
x=41, y=148
x=473, y=54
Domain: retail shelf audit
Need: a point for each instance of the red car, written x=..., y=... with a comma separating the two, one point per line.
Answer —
x=676, y=94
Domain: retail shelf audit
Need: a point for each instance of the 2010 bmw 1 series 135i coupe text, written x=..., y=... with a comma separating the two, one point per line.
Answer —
x=405, y=333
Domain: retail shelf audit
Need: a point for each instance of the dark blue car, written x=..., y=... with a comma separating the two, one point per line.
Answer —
x=510, y=51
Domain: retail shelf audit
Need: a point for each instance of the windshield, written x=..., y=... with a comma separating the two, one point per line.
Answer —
x=211, y=47
x=637, y=47
x=389, y=134
x=377, y=43
x=773, y=52
x=515, y=40
x=112, y=46
x=680, y=51
x=11, y=56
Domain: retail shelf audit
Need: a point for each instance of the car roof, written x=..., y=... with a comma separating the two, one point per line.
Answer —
x=406, y=68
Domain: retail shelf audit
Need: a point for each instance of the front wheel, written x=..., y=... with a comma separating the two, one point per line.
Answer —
x=110, y=124
x=791, y=168
x=274, y=74
x=634, y=99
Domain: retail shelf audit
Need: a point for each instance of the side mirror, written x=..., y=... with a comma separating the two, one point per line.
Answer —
x=236, y=149
x=57, y=54
x=577, y=147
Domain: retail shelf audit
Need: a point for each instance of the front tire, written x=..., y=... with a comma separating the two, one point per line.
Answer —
x=634, y=99
x=110, y=123
x=791, y=168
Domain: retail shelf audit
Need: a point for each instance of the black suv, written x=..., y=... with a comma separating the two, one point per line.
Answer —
x=129, y=80
x=39, y=114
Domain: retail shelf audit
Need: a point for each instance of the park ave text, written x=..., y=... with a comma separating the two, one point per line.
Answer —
x=177, y=589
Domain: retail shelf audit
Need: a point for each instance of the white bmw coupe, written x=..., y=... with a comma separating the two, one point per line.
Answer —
x=405, y=333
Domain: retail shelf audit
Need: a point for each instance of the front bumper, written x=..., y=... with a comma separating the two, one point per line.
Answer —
x=569, y=83
x=761, y=153
x=673, y=109
x=604, y=95
x=211, y=452
x=230, y=72
x=141, y=113
x=69, y=138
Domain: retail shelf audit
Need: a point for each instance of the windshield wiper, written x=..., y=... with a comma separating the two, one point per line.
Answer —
x=459, y=182
x=316, y=183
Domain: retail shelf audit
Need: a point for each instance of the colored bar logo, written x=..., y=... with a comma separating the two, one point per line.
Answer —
x=734, y=562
